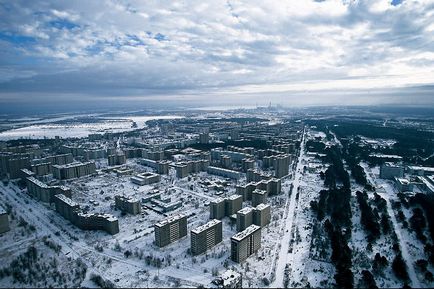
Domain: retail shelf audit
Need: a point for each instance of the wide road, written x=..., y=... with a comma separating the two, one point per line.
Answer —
x=283, y=255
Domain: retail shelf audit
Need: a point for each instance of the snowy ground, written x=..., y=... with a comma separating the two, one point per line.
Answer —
x=412, y=249
x=105, y=254
x=48, y=129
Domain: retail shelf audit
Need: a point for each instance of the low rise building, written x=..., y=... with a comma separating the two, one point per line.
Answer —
x=390, y=171
x=420, y=171
x=229, y=279
x=145, y=178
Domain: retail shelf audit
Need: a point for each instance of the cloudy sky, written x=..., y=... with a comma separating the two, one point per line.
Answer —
x=294, y=52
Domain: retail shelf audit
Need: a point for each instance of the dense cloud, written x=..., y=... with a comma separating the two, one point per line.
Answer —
x=237, y=50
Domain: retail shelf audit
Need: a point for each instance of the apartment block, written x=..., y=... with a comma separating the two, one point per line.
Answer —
x=244, y=218
x=259, y=197
x=128, y=205
x=43, y=192
x=245, y=243
x=94, y=221
x=171, y=229
x=262, y=215
x=116, y=159
x=226, y=173
x=206, y=236
x=41, y=169
x=73, y=170
x=217, y=208
x=233, y=204
x=70, y=210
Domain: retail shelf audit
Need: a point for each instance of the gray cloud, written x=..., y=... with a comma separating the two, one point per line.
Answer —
x=244, y=49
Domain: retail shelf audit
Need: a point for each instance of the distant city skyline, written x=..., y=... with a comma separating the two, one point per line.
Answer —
x=110, y=54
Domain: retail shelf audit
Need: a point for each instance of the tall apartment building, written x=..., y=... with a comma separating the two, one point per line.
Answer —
x=244, y=218
x=128, y=205
x=226, y=161
x=116, y=159
x=217, y=208
x=73, y=170
x=16, y=164
x=204, y=138
x=206, y=236
x=281, y=165
x=245, y=243
x=4, y=221
x=171, y=229
x=259, y=197
x=94, y=153
x=153, y=155
x=233, y=204
x=248, y=164
x=262, y=215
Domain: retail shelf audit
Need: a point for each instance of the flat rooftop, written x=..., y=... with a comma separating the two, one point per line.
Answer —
x=245, y=210
x=37, y=182
x=72, y=165
x=67, y=200
x=170, y=220
x=235, y=197
x=206, y=226
x=262, y=206
x=243, y=234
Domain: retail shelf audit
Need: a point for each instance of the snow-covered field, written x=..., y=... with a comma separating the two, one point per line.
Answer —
x=78, y=129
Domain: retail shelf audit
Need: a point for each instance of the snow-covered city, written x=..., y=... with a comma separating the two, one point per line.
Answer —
x=217, y=144
x=261, y=197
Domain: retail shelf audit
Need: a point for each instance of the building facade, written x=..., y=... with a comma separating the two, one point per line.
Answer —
x=171, y=229
x=245, y=243
x=206, y=236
